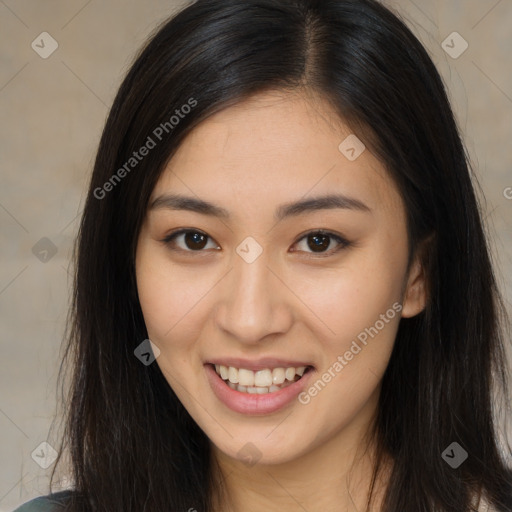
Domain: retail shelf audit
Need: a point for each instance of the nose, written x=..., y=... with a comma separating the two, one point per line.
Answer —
x=255, y=302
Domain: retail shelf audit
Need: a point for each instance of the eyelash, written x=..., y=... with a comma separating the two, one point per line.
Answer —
x=343, y=243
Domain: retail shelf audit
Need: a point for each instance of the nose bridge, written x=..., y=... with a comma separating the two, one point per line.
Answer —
x=253, y=304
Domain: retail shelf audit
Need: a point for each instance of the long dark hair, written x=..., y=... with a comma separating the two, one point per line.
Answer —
x=132, y=445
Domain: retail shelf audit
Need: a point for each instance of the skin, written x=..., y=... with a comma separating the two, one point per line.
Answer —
x=291, y=302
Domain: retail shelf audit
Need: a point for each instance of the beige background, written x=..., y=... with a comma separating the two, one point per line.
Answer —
x=52, y=112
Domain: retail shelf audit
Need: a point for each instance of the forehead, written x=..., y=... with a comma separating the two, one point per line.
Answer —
x=275, y=147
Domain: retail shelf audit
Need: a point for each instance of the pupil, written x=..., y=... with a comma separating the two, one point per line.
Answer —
x=197, y=240
x=320, y=242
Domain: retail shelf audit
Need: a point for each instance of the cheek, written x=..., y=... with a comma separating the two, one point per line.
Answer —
x=169, y=299
x=352, y=297
x=354, y=365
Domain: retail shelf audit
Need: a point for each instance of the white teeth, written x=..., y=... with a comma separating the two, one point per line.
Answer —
x=261, y=381
x=245, y=377
x=233, y=375
x=223, y=372
x=290, y=373
x=263, y=378
x=278, y=376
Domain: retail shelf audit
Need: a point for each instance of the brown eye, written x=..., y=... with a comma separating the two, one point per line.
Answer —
x=194, y=240
x=320, y=242
x=190, y=240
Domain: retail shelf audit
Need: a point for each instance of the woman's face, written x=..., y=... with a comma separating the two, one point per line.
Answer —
x=252, y=291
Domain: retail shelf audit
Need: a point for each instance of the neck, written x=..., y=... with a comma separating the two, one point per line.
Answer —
x=335, y=476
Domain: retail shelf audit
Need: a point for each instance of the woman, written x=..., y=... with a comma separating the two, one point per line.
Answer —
x=281, y=203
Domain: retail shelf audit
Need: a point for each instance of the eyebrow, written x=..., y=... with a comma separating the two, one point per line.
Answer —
x=326, y=202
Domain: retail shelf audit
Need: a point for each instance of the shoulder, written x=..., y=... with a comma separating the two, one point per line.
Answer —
x=49, y=503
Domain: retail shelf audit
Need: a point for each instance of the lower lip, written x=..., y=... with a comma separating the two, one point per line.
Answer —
x=249, y=403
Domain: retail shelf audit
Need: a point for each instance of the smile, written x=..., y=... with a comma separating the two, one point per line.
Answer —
x=268, y=388
x=267, y=380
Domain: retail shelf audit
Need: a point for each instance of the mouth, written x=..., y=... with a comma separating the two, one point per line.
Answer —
x=266, y=387
x=262, y=381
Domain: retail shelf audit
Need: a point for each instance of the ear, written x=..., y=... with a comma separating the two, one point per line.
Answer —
x=415, y=293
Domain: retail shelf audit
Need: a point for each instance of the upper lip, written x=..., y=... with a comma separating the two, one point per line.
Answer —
x=258, y=364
